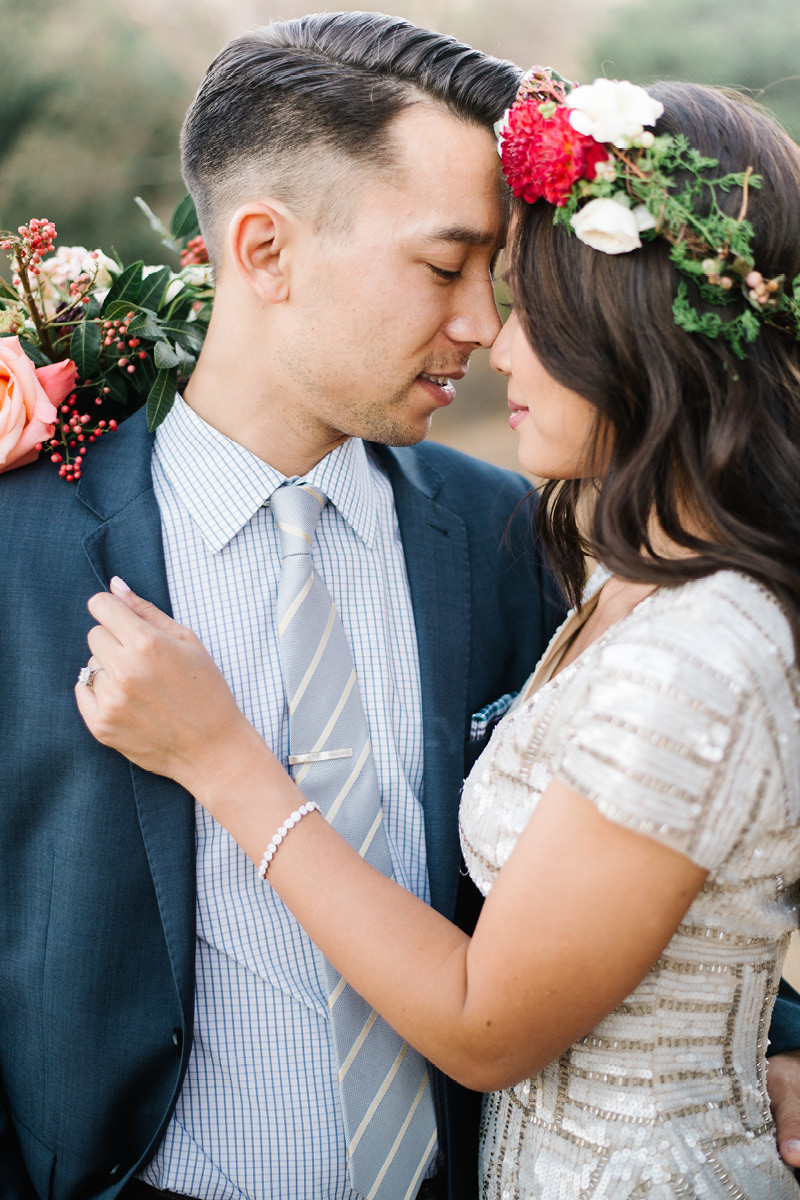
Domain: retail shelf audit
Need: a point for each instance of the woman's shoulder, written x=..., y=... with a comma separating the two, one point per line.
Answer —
x=726, y=623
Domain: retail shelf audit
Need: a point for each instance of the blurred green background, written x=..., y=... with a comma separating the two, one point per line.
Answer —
x=93, y=93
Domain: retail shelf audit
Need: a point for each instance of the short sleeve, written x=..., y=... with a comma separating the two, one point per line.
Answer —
x=668, y=738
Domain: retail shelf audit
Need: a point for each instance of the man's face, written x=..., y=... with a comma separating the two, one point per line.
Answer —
x=378, y=313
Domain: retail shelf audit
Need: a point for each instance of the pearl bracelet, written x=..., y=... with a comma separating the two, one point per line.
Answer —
x=278, y=837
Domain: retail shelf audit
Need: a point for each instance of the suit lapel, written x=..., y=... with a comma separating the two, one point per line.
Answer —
x=127, y=542
x=437, y=562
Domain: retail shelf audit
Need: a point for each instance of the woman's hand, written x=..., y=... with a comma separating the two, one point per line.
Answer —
x=158, y=697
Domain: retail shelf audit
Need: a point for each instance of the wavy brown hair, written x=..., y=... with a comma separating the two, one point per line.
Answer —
x=690, y=433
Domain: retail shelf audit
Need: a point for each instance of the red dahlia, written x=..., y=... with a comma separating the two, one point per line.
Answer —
x=544, y=156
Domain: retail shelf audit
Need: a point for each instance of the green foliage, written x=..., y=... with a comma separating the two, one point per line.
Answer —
x=736, y=331
x=133, y=345
x=737, y=43
x=160, y=397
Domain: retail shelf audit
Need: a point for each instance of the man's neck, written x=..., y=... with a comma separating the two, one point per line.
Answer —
x=235, y=407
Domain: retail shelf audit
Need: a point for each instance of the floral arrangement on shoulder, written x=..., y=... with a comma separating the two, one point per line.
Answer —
x=612, y=181
x=86, y=340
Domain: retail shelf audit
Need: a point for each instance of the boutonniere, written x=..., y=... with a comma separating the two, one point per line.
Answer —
x=86, y=340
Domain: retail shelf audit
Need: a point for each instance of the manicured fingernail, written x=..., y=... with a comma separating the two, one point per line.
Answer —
x=118, y=586
x=792, y=1145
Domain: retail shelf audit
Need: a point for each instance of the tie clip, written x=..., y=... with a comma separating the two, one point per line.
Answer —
x=321, y=756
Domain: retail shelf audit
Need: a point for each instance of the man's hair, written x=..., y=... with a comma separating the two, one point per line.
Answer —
x=292, y=108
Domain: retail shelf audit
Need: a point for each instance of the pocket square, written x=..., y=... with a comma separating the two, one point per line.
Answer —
x=489, y=715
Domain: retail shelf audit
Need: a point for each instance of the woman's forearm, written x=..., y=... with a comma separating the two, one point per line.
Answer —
x=558, y=944
x=408, y=961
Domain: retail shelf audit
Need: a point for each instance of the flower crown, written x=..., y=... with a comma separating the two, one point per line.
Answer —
x=586, y=151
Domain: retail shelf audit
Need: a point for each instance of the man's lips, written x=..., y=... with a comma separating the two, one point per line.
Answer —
x=440, y=385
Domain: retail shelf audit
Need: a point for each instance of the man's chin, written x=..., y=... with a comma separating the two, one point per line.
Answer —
x=394, y=430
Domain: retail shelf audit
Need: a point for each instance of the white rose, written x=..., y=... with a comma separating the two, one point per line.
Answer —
x=58, y=271
x=101, y=269
x=612, y=111
x=65, y=265
x=198, y=275
x=611, y=225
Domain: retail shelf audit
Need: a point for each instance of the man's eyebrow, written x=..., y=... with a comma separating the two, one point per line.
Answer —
x=462, y=235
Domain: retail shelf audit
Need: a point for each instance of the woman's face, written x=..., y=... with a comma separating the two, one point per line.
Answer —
x=552, y=422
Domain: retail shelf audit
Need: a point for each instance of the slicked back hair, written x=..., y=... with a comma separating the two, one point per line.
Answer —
x=293, y=108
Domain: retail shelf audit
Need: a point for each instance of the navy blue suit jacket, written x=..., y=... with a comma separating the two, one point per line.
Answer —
x=97, y=859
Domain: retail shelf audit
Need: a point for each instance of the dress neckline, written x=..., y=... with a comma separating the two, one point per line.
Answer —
x=546, y=670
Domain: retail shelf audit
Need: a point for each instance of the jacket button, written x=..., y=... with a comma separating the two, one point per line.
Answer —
x=177, y=1039
x=115, y=1171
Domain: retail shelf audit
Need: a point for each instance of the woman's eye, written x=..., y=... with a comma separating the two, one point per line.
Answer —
x=442, y=274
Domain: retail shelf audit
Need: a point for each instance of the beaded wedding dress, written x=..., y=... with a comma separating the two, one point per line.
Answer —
x=681, y=721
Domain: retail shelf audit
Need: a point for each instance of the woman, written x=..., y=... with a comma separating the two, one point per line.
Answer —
x=635, y=821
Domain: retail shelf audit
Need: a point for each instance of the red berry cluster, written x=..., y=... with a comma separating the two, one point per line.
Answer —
x=195, y=252
x=79, y=288
x=35, y=242
x=115, y=333
x=71, y=434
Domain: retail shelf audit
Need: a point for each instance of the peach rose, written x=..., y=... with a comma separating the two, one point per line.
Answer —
x=28, y=399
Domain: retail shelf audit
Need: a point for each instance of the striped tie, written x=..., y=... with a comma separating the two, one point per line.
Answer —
x=384, y=1085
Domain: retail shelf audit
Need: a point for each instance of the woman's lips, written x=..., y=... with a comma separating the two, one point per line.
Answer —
x=518, y=413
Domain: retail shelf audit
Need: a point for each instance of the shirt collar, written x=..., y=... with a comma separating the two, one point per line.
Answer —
x=345, y=476
x=222, y=484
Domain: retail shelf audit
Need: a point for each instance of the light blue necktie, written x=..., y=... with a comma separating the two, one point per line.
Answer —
x=385, y=1090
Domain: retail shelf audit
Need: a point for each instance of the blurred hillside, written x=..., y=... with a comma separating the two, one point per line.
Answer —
x=94, y=93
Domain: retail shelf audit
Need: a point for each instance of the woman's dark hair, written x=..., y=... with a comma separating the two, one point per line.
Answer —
x=687, y=431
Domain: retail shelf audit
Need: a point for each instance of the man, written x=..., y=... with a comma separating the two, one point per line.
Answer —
x=164, y=1023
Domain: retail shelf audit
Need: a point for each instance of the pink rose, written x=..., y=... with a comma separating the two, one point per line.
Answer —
x=28, y=399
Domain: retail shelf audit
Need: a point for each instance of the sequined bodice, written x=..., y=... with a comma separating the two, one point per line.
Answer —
x=680, y=722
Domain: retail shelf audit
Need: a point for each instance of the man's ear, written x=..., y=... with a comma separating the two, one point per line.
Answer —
x=259, y=240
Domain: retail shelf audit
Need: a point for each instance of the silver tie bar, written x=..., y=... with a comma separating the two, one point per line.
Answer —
x=295, y=760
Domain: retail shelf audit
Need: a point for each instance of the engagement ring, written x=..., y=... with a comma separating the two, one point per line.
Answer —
x=86, y=675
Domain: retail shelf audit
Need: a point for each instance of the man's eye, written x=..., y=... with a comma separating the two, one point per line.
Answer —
x=442, y=274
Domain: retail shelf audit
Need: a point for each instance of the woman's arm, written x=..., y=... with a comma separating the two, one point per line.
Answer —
x=575, y=920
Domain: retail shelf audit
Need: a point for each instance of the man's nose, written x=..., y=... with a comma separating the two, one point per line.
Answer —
x=476, y=321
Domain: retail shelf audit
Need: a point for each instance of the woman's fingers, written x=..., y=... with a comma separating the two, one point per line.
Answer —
x=160, y=699
x=126, y=615
x=103, y=647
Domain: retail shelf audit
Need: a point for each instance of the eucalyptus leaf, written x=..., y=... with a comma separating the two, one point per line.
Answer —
x=153, y=288
x=84, y=348
x=188, y=334
x=119, y=309
x=117, y=388
x=126, y=286
x=147, y=325
x=185, y=224
x=165, y=357
x=186, y=363
x=161, y=397
x=34, y=353
x=145, y=374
